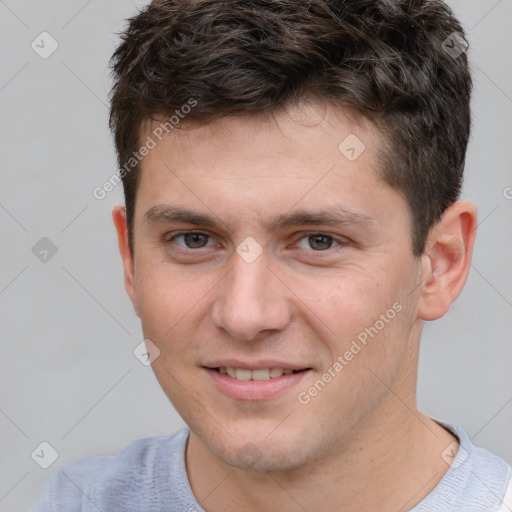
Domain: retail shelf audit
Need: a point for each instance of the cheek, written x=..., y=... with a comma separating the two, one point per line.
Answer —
x=168, y=300
x=347, y=301
x=360, y=309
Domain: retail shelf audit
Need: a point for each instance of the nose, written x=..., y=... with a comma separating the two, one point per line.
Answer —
x=251, y=300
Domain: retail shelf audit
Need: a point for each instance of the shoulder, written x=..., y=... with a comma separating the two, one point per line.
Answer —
x=484, y=473
x=477, y=480
x=135, y=461
x=490, y=481
x=135, y=476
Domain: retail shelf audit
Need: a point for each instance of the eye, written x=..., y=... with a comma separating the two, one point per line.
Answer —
x=190, y=240
x=318, y=242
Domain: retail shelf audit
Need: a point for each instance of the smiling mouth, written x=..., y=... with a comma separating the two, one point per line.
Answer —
x=260, y=374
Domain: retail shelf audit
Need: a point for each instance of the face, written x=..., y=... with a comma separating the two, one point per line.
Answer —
x=274, y=271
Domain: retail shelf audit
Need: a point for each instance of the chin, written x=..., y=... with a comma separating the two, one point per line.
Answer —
x=262, y=450
x=261, y=458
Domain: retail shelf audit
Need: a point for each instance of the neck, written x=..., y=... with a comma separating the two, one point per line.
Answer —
x=389, y=466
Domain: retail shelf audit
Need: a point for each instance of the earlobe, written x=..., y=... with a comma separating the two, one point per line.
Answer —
x=121, y=225
x=447, y=260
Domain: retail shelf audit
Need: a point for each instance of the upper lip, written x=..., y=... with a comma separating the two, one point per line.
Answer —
x=255, y=365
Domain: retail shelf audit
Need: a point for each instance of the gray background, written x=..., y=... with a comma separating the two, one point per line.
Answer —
x=68, y=375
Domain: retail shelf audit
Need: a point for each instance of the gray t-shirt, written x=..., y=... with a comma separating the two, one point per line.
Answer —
x=150, y=476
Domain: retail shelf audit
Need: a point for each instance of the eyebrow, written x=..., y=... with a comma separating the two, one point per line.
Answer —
x=172, y=214
x=339, y=216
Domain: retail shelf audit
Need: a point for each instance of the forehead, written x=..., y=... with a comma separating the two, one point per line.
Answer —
x=309, y=133
x=307, y=156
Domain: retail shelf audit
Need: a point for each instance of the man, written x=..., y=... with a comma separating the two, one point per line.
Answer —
x=291, y=173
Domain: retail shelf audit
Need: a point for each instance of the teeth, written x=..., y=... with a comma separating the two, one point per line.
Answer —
x=276, y=372
x=260, y=374
x=263, y=374
x=243, y=374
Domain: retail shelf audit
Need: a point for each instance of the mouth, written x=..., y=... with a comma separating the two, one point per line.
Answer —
x=256, y=374
x=265, y=382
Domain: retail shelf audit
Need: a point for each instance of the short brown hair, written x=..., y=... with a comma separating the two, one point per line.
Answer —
x=390, y=60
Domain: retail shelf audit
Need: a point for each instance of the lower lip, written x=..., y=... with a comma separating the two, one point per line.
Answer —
x=255, y=389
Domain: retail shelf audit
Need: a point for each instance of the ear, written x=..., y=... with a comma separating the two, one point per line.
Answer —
x=447, y=260
x=121, y=225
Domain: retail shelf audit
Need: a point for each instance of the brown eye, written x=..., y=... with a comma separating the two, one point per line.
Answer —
x=320, y=242
x=191, y=240
x=196, y=240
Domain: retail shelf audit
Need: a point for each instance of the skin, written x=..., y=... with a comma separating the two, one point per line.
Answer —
x=362, y=435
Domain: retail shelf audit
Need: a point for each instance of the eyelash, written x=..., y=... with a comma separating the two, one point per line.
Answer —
x=169, y=239
x=341, y=241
